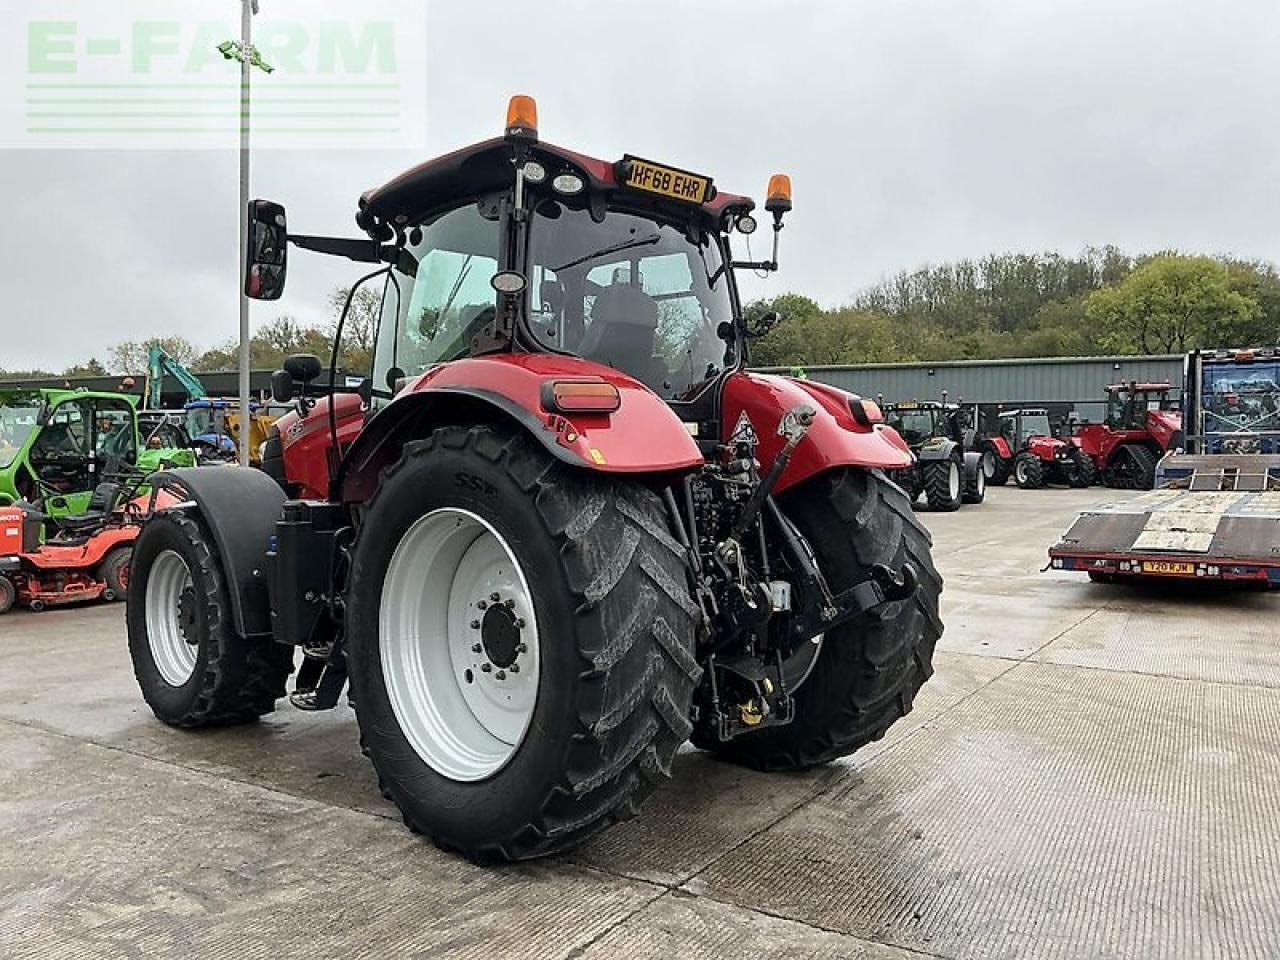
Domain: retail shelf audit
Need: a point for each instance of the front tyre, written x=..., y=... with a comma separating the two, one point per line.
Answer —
x=520, y=639
x=870, y=669
x=975, y=483
x=1028, y=471
x=194, y=670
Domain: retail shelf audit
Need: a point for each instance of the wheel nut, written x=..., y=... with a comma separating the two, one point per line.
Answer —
x=519, y=623
x=486, y=667
x=514, y=668
x=481, y=605
x=475, y=624
x=476, y=648
x=500, y=675
x=522, y=648
x=510, y=603
x=495, y=596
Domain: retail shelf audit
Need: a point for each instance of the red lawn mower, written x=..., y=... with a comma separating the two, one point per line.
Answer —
x=84, y=557
x=562, y=528
x=1026, y=449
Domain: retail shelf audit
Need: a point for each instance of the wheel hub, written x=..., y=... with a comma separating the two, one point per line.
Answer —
x=500, y=635
x=187, y=617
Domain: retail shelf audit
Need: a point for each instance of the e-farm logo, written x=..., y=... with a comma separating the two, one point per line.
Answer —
x=167, y=74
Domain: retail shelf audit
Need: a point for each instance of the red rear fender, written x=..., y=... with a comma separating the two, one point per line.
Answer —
x=835, y=439
x=642, y=436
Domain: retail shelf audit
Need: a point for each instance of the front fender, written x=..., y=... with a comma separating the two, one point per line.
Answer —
x=1001, y=447
x=241, y=508
x=835, y=438
x=643, y=436
x=943, y=450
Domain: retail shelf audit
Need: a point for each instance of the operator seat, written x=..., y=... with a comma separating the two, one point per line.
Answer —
x=624, y=326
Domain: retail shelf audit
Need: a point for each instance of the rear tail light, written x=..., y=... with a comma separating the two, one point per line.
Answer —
x=576, y=396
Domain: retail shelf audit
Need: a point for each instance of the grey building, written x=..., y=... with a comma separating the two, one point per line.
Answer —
x=1062, y=384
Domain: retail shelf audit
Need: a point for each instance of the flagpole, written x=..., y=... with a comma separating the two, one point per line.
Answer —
x=246, y=45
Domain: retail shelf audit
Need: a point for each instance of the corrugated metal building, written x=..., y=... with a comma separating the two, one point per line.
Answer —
x=1060, y=383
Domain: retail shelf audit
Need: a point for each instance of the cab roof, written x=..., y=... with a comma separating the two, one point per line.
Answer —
x=485, y=167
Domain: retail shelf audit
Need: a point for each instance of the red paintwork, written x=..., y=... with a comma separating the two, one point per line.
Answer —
x=1002, y=447
x=1100, y=441
x=835, y=439
x=440, y=174
x=642, y=436
x=305, y=442
x=52, y=556
x=1046, y=448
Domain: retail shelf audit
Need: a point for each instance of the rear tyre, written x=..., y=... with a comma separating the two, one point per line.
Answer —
x=1082, y=472
x=943, y=484
x=194, y=670
x=869, y=670
x=1028, y=471
x=8, y=594
x=600, y=630
x=1131, y=468
x=975, y=484
x=114, y=572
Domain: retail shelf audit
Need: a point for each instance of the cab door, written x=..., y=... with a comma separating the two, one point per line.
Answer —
x=61, y=458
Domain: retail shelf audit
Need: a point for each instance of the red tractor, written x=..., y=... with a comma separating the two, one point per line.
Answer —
x=561, y=530
x=1026, y=449
x=1141, y=427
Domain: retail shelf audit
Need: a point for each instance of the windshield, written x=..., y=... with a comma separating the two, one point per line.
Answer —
x=202, y=421
x=914, y=425
x=1035, y=425
x=17, y=420
x=633, y=293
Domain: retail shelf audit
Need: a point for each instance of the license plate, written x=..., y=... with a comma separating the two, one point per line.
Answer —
x=1167, y=567
x=665, y=181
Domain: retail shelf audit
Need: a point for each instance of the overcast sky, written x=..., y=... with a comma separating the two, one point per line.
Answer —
x=914, y=132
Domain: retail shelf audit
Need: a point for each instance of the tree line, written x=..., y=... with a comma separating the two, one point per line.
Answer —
x=1032, y=305
x=1003, y=305
x=269, y=345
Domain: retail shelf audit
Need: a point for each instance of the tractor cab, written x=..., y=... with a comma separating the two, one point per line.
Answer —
x=56, y=444
x=1129, y=404
x=1019, y=427
x=918, y=421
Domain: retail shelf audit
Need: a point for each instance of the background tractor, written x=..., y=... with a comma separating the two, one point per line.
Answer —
x=1141, y=426
x=56, y=446
x=562, y=529
x=945, y=470
x=1025, y=448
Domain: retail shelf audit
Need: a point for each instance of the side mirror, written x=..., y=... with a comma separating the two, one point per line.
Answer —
x=267, y=255
x=766, y=323
x=282, y=386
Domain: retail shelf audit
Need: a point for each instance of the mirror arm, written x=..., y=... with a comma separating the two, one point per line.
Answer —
x=361, y=251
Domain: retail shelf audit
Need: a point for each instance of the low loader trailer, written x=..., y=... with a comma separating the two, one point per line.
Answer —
x=1215, y=512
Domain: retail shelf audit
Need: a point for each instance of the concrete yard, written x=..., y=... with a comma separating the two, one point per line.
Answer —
x=1094, y=771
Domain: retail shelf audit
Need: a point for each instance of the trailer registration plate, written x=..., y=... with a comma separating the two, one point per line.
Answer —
x=1167, y=567
x=666, y=181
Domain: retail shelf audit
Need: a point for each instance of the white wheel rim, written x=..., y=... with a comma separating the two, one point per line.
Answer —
x=466, y=722
x=174, y=657
x=988, y=464
x=981, y=485
x=1022, y=472
x=953, y=480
